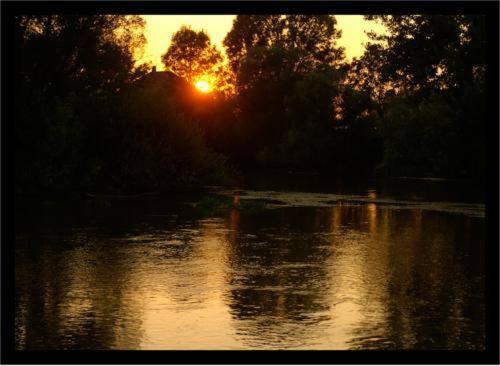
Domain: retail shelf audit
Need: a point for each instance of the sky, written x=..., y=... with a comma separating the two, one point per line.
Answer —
x=160, y=28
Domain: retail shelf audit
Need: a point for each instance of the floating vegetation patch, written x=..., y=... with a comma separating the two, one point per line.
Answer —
x=277, y=199
x=221, y=204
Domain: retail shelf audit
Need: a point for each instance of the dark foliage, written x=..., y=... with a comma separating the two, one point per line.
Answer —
x=85, y=121
x=429, y=74
x=87, y=118
x=291, y=99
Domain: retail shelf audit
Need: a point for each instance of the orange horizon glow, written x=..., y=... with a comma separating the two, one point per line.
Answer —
x=160, y=28
x=203, y=86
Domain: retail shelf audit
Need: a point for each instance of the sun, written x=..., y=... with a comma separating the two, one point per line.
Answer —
x=203, y=86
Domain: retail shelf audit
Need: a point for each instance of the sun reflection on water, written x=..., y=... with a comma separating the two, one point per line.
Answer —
x=340, y=277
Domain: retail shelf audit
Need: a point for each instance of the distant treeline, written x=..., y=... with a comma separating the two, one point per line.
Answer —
x=86, y=120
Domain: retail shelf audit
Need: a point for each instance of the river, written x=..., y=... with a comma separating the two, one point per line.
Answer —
x=306, y=268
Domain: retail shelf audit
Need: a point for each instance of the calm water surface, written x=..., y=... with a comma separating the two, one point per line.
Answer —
x=310, y=270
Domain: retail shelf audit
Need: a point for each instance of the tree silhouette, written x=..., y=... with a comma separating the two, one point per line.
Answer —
x=191, y=55
x=427, y=74
x=272, y=56
x=249, y=31
x=314, y=35
x=429, y=52
x=69, y=71
x=83, y=122
x=94, y=52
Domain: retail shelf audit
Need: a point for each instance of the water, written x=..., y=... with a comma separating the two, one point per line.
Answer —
x=310, y=270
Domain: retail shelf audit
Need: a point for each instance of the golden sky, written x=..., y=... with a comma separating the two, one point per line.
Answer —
x=159, y=30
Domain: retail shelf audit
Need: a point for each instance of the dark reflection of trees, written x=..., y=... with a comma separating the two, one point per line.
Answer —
x=277, y=276
x=379, y=277
x=434, y=284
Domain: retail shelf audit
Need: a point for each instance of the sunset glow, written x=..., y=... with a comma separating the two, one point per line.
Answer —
x=160, y=28
x=203, y=86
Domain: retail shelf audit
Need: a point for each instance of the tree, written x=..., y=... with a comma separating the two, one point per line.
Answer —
x=84, y=124
x=414, y=137
x=427, y=74
x=70, y=71
x=265, y=77
x=88, y=52
x=250, y=31
x=422, y=53
x=314, y=35
x=364, y=74
x=271, y=55
x=160, y=147
x=191, y=55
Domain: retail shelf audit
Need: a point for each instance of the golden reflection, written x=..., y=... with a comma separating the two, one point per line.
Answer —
x=372, y=217
x=336, y=221
x=357, y=291
x=347, y=277
x=358, y=271
x=194, y=288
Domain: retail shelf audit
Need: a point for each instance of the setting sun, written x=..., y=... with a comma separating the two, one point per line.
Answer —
x=203, y=86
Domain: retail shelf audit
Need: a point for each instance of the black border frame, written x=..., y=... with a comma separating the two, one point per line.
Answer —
x=8, y=352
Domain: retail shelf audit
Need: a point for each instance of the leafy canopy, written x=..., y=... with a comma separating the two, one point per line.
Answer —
x=428, y=52
x=191, y=54
x=314, y=35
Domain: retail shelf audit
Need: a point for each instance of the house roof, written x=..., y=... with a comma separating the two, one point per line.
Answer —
x=162, y=79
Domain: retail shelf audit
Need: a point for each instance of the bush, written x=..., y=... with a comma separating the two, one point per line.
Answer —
x=422, y=139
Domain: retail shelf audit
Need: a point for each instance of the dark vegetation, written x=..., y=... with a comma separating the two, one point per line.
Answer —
x=216, y=205
x=88, y=119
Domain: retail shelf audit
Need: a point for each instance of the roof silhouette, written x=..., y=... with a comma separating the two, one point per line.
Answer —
x=165, y=79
